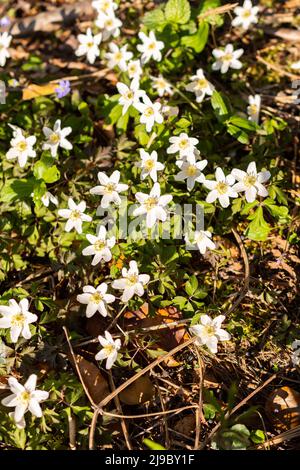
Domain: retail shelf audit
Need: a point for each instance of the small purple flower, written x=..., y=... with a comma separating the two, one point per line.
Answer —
x=63, y=88
x=5, y=21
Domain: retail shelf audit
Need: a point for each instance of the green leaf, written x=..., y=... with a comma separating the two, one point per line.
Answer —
x=17, y=189
x=219, y=106
x=257, y=436
x=215, y=20
x=258, y=229
x=44, y=170
x=154, y=19
x=243, y=123
x=238, y=133
x=191, y=286
x=153, y=445
x=197, y=41
x=279, y=212
x=178, y=11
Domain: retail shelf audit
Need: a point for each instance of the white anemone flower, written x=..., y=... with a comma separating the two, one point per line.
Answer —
x=209, y=332
x=162, y=86
x=49, y=197
x=17, y=317
x=21, y=146
x=75, y=215
x=118, y=57
x=153, y=205
x=109, y=351
x=89, y=45
x=253, y=109
x=132, y=283
x=105, y=6
x=191, y=171
x=201, y=238
x=221, y=188
x=109, y=24
x=227, y=58
x=99, y=247
x=24, y=398
x=150, y=47
x=95, y=299
x=245, y=15
x=150, y=112
x=250, y=182
x=184, y=145
x=109, y=188
x=5, y=40
x=200, y=86
x=56, y=138
x=134, y=69
x=149, y=165
x=129, y=95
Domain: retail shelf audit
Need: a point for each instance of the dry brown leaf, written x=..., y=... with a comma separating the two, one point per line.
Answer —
x=34, y=91
x=93, y=379
x=186, y=425
x=283, y=408
x=140, y=391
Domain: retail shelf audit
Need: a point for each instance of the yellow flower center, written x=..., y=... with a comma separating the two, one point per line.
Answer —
x=75, y=215
x=110, y=187
x=152, y=46
x=22, y=146
x=149, y=164
x=96, y=298
x=222, y=188
x=25, y=397
x=201, y=83
x=150, y=203
x=253, y=109
x=183, y=143
x=227, y=57
x=108, y=23
x=18, y=319
x=249, y=180
x=210, y=330
x=129, y=95
x=99, y=245
x=118, y=56
x=246, y=13
x=109, y=349
x=192, y=170
x=54, y=138
x=149, y=112
x=132, y=279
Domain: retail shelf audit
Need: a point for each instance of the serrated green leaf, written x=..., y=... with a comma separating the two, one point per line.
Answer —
x=178, y=11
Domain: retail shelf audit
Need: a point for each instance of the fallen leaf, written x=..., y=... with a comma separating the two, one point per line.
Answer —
x=283, y=408
x=186, y=425
x=92, y=377
x=34, y=91
x=140, y=391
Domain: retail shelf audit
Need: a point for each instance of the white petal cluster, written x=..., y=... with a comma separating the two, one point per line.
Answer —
x=17, y=317
x=75, y=215
x=109, y=351
x=5, y=40
x=56, y=138
x=21, y=147
x=200, y=86
x=109, y=188
x=209, y=332
x=132, y=283
x=99, y=247
x=153, y=205
x=89, y=45
x=227, y=58
x=245, y=15
x=24, y=398
x=96, y=299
